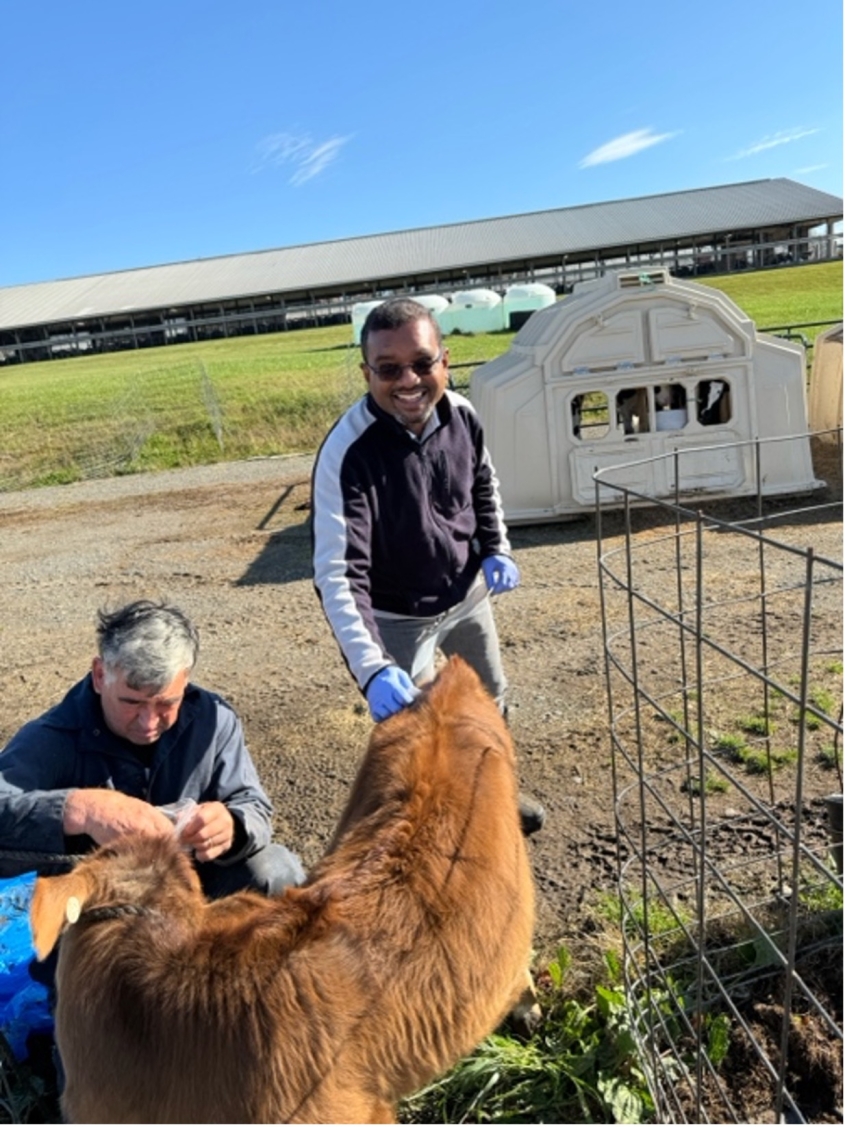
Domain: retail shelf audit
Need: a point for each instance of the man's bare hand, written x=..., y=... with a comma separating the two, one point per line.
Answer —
x=107, y=814
x=210, y=832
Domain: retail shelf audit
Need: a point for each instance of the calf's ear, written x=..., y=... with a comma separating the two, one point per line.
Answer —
x=55, y=902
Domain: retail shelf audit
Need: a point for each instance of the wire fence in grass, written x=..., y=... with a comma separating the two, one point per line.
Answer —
x=722, y=636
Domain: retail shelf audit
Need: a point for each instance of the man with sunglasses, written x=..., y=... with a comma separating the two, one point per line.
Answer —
x=408, y=532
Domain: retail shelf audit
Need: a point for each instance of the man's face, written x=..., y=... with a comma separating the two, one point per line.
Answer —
x=408, y=397
x=135, y=714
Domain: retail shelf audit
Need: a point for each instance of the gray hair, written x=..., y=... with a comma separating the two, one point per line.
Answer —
x=151, y=643
x=393, y=314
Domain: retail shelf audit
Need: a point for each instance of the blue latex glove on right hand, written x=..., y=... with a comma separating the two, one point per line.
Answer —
x=501, y=574
x=389, y=691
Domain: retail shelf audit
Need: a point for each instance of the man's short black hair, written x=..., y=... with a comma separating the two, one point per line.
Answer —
x=393, y=314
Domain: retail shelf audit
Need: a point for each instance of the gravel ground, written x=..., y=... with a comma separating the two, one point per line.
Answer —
x=230, y=543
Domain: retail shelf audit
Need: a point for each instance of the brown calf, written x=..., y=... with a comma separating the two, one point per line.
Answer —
x=408, y=944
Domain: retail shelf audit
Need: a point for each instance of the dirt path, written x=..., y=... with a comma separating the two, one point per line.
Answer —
x=230, y=543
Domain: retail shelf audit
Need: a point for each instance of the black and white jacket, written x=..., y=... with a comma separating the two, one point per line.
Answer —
x=400, y=524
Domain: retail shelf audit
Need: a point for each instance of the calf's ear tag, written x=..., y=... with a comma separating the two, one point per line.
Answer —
x=72, y=909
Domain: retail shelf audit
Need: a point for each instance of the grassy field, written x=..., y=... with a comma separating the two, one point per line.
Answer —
x=797, y=295
x=190, y=404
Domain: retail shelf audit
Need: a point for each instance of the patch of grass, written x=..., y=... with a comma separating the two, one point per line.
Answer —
x=797, y=295
x=713, y=784
x=829, y=756
x=662, y=921
x=581, y=1066
x=757, y=762
x=824, y=700
x=728, y=742
x=755, y=725
x=826, y=897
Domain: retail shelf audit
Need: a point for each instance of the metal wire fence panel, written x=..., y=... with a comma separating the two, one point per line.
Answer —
x=723, y=657
x=164, y=413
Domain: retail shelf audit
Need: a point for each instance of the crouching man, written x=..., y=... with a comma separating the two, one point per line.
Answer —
x=132, y=737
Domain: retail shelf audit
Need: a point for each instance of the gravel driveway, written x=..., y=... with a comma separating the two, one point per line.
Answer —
x=230, y=543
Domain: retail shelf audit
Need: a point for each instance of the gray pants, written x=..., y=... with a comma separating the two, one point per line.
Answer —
x=468, y=629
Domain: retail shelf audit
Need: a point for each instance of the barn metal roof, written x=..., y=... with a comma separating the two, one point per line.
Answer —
x=427, y=250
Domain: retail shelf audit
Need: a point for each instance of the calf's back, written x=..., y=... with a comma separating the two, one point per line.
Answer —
x=407, y=945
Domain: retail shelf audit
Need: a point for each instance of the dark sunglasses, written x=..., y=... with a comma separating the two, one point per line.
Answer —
x=424, y=366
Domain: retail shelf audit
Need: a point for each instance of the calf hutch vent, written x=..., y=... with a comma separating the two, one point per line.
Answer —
x=631, y=366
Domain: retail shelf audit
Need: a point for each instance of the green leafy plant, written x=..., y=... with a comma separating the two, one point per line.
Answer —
x=581, y=1066
x=718, y=1038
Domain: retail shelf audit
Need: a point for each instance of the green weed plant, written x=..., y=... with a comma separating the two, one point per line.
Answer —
x=582, y=1066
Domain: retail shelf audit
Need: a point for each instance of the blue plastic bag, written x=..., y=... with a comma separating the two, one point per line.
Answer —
x=24, y=1003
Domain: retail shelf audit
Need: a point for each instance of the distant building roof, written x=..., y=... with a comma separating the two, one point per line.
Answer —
x=358, y=263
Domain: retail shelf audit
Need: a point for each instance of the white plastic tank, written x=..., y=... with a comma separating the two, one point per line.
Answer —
x=473, y=311
x=521, y=301
x=434, y=302
x=631, y=366
x=359, y=315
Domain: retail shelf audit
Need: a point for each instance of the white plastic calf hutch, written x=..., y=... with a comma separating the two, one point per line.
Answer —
x=360, y=311
x=521, y=301
x=434, y=302
x=826, y=383
x=634, y=365
x=473, y=311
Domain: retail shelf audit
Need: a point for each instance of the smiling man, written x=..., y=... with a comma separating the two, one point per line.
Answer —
x=133, y=737
x=409, y=535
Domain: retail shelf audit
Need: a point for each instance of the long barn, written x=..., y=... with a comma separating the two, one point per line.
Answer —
x=750, y=225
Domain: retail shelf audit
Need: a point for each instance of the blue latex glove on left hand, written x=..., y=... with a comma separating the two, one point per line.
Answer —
x=501, y=574
x=389, y=691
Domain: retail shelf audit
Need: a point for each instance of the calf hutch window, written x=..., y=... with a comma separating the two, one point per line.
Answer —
x=639, y=410
x=631, y=366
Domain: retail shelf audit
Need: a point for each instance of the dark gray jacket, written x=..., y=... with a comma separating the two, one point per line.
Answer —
x=203, y=756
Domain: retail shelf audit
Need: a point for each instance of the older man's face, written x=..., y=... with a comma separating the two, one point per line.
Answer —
x=408, y=395
x=136, y=714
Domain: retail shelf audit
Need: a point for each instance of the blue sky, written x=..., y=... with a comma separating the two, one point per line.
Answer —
x=142, y=133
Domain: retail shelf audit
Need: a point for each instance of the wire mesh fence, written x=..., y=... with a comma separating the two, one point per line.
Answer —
x=156, y=412
x=723, y=656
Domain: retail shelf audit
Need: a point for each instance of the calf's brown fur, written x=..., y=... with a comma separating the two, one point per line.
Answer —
x=408, y=944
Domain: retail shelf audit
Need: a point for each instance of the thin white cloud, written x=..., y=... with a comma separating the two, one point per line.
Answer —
x=809, y=168
x=782, y=137
x=299, y=152
x=628, y=145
